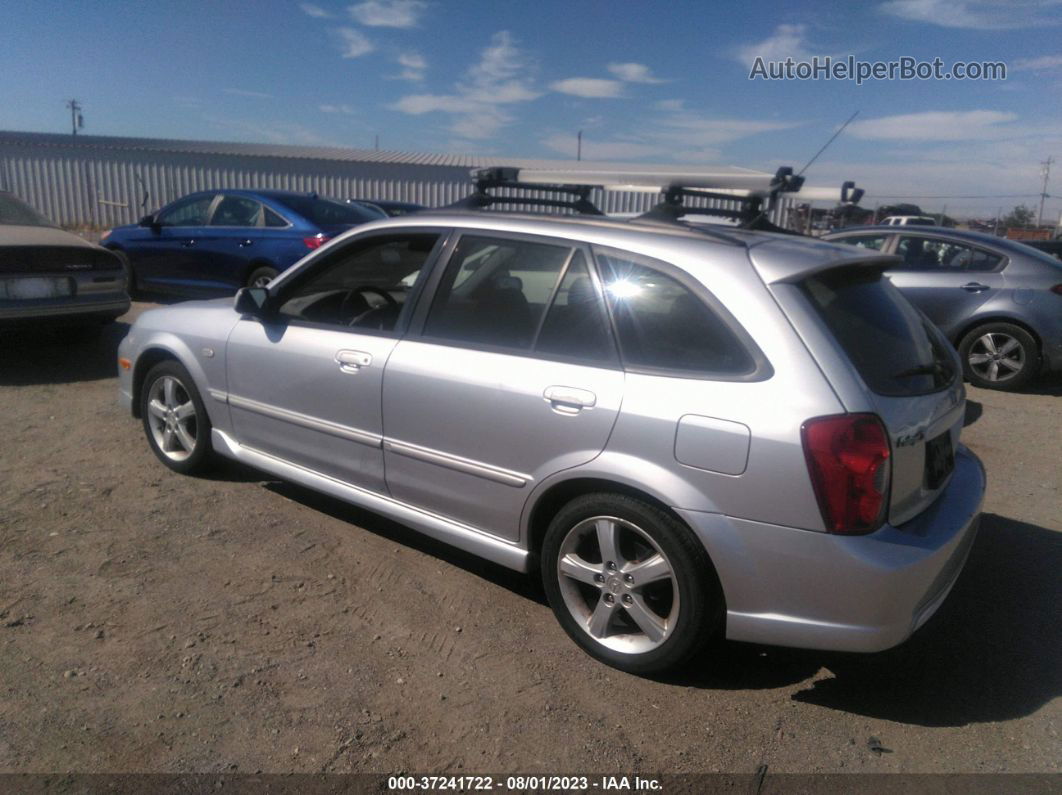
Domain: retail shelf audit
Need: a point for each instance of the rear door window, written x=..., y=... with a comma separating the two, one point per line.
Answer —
x=893, y=346
x=662, y=324
x=576, y=325
x=872, y=242
x=933, y=254
x=237, y=211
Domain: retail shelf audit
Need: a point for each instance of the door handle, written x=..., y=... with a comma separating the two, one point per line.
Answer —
x=187, y=243
x=352, y=361
x=974, y=287
x=569, y=399
x=246, y=243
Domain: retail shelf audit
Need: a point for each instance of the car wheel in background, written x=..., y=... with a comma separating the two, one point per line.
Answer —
x=175, y=419
x=999, y=356
x=261, y=277
x=629, y=583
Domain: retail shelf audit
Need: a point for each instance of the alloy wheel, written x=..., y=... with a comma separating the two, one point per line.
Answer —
x=172, y=418
x=996, y=356
x=618, y=584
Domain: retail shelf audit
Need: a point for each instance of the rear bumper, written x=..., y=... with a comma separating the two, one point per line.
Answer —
x=793, y=587
x=28, y=313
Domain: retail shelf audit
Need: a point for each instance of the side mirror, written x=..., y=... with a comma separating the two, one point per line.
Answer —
x=253, y=301
x=148, y=221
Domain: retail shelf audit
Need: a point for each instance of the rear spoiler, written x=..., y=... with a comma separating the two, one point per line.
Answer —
x=779, y=262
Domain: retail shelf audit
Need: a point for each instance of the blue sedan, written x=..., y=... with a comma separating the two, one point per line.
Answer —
x=221, y=240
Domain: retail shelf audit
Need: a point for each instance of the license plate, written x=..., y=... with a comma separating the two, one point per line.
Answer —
x=30, y=288
x=940, y=460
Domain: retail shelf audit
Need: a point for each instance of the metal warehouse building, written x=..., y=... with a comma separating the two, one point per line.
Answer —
x=103, y=181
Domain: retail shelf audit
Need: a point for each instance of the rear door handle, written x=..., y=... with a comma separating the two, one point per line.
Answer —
x=569, y=399
x=246, y=243
x=352, y=361
x=974, y=287
x=187, y=243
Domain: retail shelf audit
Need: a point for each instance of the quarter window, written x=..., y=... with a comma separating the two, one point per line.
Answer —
x=495, y=291
x=931, y=254
x=662, y=324
x=364, y=286
x=189, y=212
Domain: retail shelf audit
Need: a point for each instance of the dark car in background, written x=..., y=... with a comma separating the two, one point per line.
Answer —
x=998, y=301
x=221, y=240
x=391, y=209
x=50, y=277
x=1052, y=247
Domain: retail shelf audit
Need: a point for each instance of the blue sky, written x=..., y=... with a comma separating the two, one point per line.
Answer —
x=644, y=81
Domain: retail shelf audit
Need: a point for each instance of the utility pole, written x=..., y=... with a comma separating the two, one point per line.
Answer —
x=376, y=143
x=579, y=145
x=1043, y=191
x=76, y=119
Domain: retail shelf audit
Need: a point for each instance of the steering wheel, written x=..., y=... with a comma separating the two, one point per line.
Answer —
x=348, y=301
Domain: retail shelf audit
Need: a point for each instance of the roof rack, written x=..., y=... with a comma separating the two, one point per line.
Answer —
x=754, y=193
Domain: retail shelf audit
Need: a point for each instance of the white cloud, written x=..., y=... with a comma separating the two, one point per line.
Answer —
x=388, y=13
x=314, y=11
x=591, y=87
x=344, y=109
x=240, y=92
x=787, y=41
x=969, y=125
x=676, y=136
x=413, y=65
x=1042, y=64
x=354, y=43
x=633, y=73
x=272, y=132
x=499, y=78
x=975, y=14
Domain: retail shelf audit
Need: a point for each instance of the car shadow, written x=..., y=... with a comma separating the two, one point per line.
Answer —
x=1047, y=385
x=31, y=356
x=992, y=653
x=974, y=410
x=521, y=584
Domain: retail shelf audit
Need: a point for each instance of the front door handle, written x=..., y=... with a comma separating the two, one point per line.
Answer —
x=246, y=243
x=569, y=399
x=187, y=243
x=352, y=361
x=975, y=287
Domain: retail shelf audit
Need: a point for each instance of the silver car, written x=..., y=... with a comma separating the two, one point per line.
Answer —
x=689, y=433
x=998, y=301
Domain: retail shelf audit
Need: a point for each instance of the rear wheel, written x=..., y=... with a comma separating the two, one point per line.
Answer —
x=629, y=583
x=999, y=356
x=261, y=277
x=175, y=419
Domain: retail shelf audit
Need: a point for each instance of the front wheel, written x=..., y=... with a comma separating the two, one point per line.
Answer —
x=175, y=419
x=630, y=584
x=999, y=356
x=261, y=277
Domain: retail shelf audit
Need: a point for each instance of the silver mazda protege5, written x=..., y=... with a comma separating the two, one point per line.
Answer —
x=690, y=433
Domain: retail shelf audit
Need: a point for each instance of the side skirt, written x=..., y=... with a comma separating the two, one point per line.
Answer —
x=453, y=533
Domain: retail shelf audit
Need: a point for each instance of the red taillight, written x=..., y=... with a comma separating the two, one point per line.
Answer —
x=315, y=242
x=1057, y=289
x=848, y=459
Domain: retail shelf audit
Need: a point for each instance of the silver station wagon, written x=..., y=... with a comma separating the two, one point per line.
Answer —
x=690, y=433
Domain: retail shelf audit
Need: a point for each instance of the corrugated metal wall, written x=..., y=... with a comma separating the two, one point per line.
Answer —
x=101, y=187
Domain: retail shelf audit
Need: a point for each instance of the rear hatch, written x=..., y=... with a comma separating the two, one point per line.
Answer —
x=911, y=373
x=880, y=353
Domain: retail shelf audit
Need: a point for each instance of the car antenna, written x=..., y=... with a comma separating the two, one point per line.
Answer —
x=763, y=213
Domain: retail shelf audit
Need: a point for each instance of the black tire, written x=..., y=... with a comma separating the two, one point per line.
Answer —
x=177, y=457
x=697, y=618
x=265, y=273
x=1020, y=347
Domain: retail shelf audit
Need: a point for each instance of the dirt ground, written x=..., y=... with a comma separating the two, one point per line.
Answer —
x=154, y=622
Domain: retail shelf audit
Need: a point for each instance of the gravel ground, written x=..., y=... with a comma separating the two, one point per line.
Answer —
x=153, y=622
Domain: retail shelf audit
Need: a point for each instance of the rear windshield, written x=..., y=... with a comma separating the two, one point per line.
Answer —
x=891, y=344
x=17, y=213
x=324, y=212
